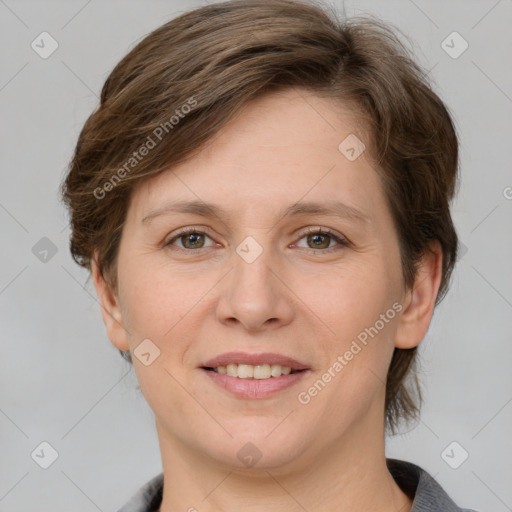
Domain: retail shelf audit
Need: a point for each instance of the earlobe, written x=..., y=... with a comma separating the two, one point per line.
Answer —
x=420, y=300
x=110, y=309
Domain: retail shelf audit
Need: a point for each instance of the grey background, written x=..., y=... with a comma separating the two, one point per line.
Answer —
x=61, y=381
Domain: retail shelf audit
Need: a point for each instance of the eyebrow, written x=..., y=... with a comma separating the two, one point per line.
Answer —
x=203, y=209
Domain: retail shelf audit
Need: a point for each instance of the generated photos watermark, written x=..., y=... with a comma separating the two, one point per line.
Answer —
x=150, y=143
x=361, y=341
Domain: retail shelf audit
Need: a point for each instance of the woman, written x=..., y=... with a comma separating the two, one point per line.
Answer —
x=262, y=198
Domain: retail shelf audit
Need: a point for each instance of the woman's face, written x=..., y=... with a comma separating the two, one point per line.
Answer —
x=256, y=280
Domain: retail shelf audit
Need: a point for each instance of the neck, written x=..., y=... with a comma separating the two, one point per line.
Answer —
x=352, y=476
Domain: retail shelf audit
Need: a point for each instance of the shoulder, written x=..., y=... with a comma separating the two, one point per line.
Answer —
x=148, y=498
x=427, y=494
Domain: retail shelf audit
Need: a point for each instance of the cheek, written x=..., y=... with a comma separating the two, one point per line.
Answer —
x=155, y=299
x=357, y=307
x=352, y=382
x=348, y=298
x=158, y=306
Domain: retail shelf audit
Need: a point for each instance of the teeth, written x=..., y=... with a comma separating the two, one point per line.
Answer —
x=247, y=371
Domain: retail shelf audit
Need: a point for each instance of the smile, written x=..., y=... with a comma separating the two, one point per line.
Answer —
x=248, y=371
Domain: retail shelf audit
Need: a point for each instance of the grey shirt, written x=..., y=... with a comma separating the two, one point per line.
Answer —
x=426, y=493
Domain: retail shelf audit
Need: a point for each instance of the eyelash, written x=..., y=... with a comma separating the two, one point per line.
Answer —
x=317, y=231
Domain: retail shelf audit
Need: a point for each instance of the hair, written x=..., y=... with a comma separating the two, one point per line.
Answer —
x=191, y=76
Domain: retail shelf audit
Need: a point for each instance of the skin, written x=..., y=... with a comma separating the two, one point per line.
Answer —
x=294, y=299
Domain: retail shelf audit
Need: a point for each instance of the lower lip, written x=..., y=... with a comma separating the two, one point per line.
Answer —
x=255, y=388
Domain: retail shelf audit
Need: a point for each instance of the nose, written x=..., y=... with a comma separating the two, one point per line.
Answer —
x=254, y=294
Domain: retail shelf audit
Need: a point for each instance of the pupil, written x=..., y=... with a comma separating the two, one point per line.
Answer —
x=317, y=239
x=193, y=239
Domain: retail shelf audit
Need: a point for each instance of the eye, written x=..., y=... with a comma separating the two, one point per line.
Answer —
x=320, y=238
x=190, y=238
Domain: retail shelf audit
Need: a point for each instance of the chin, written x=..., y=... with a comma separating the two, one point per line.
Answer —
x=259, y=445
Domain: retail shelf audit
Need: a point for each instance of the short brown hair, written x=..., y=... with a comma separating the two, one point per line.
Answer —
x=215, y=59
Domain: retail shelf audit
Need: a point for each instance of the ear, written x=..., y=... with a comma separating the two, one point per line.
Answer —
x=110, y=309
x=420, y=300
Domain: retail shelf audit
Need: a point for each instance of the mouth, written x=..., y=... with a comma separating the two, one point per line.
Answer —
x=252, y=376
x=245, y=365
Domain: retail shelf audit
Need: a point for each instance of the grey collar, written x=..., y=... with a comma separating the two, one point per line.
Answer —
x=426, y=493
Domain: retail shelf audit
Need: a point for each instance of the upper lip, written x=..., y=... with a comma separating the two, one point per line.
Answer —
x=254, y=359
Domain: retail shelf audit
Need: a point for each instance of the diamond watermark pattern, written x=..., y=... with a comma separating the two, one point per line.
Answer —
x=249, y=249
x=454, y=455
x=146, y=352
x=44, y=45
x=249, y=455
x=44, y=250
x=44, y=455
x=352, y=147
x=454, y=45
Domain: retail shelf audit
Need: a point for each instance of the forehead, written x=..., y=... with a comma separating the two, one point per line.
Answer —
x=282, y=148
